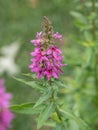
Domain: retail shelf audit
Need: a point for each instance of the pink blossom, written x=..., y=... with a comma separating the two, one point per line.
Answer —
x=50, y=72
x=39, y=35
x=6, y=116
x=47, y=63
x=58, y=36
x=38, y=41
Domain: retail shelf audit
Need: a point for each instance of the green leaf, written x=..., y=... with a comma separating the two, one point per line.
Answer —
x=26, y=108
x=45, y=114
x=82, y=25
x=73, y=125
x=43, y=98
x=88, y=36
x=92, y=16
x=30, y=75
x=76, y=14
x=50, y=123
x=61, y=84
x=58, y=127
x=23, y=108
x=79, y=16
x=32, y=84
x=55, y=117
x=79, y=121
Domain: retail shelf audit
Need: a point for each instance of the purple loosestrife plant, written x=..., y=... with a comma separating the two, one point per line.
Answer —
x=46, y=63
x=6, y=116
x=47, y=57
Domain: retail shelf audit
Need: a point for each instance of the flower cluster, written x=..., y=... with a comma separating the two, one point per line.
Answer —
x=47, y=58
x=6, y=115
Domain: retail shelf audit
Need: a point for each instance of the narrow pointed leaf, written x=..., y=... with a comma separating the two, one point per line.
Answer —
x=45, y=114
x=26, y=108
x=32, y=84
x=80, y=122
x=43, y=98
x=29, y=75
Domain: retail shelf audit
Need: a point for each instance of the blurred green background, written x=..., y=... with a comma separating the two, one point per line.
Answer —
x=19, y=21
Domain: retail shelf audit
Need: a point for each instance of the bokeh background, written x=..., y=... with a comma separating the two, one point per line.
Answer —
x=19, y=22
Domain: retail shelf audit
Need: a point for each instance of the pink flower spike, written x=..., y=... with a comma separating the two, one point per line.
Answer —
x=47, y=58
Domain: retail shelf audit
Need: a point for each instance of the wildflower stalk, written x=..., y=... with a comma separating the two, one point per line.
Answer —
x=46, y=64
x=93, y=55
x=93, y=49
x=47, y=60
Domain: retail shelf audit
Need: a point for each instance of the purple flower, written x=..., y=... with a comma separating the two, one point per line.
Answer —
x=47, y=63
x=50, y=72
x=39, y=35
x=6, y=116
x=58, y=36
x=38, y=41
x=47, y=58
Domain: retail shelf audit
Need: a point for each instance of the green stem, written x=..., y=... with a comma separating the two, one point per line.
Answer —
x=96, y=78
x=83, y=6
x=93, y=49
x=95, y=55
x=93, y=21
x=53, y=100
